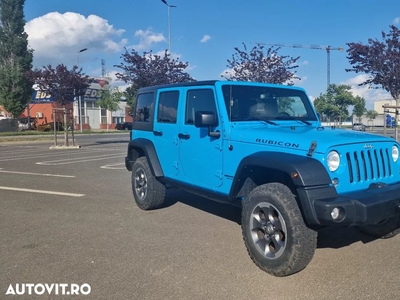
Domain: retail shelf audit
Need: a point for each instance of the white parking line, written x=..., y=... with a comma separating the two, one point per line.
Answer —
x=113, y=166
x=24, y=155
x=37, y=174
x=76, y=160
x=32, y=156
x=40, y=191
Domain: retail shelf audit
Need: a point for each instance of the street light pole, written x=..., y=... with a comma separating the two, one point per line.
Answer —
x=169, y=24
x=79, y=98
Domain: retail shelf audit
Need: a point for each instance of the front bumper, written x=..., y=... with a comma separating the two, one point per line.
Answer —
x=378, y=203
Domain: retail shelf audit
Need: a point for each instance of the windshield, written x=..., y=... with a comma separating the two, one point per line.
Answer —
x=246, y=103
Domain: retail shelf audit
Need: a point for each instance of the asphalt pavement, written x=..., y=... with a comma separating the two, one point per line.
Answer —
x=68, y=222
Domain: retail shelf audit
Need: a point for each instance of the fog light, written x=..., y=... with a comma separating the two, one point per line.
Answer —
x=335, y=182
x=335, y=213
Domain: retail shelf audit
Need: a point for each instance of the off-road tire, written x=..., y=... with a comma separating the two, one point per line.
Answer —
x=148, y=192
x=384, y=230
x=274, y=232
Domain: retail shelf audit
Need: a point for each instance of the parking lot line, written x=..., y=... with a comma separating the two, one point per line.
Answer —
x=40, y=191
x=37, y=174
x=117, y=166
x=77, y=160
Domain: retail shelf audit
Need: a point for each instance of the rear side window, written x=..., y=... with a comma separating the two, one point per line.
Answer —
x=199, y=100
x=167, y=107
x=144, y=107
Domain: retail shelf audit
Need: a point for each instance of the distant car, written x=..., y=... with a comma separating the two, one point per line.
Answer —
x=124, y=126
x=359, y=127
x=26, y=123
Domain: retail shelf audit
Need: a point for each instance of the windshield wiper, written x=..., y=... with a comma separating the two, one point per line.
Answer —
x=292, y=118
x=258, y=119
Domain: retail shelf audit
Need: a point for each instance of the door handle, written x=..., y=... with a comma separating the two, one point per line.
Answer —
x=157, y=133
x=184, y=136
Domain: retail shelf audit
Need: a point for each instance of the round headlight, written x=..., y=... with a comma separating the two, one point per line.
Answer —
x=395, y=153
x=333, y=160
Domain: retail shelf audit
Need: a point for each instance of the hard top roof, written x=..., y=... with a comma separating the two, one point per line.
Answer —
x=190, y=83
x=207, y=82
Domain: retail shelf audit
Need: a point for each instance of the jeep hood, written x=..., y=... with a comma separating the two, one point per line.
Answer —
x=301, y=137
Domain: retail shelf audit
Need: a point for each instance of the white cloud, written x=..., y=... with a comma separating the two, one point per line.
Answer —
x=396, y=21
x=227, y=73
x=147, y=38
x=370, y=95
x=205, y=38
x=56, y=38
x=301, y=81
x=115, y=82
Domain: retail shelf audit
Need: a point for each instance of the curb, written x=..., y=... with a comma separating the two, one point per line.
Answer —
x=65, y=147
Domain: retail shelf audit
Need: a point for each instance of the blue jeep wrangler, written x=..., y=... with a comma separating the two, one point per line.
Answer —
x=262, y=147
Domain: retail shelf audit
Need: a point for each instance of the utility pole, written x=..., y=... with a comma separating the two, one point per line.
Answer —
x=103, y=68
x=80, y=98
x=169, y=24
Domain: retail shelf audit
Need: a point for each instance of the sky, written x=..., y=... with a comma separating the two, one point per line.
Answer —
x=205, y=33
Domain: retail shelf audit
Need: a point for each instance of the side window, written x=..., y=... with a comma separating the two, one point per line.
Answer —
x=144, y=107
x=199, y=100
x=167, y=107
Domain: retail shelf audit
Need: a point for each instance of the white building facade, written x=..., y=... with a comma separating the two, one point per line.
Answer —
x=90, y=115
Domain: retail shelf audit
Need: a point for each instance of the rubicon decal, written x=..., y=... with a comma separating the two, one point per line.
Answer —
x=278, y=143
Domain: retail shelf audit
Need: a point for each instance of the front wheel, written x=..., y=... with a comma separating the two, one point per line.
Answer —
x=148, y=192
x=384, y=230
x=276, y=237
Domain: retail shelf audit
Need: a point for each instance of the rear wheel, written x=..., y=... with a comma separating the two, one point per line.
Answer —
x=274, y=232
x=148, y=192
x=384, y=230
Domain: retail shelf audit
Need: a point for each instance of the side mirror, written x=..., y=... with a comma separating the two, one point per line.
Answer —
x=207, y=119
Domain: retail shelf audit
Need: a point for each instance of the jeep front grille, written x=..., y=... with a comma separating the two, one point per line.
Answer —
x=368, y=164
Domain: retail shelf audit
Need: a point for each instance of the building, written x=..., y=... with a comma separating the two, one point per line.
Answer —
x=383, y=114
x=94, y=117
x=378, y=105
x=44, y=110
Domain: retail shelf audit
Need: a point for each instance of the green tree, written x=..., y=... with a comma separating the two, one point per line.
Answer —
x=359, y=107
x=130, y=95
x=334, y=104
x=261, y=66
x=371, y=114
x=110, y=98
x=15, y=58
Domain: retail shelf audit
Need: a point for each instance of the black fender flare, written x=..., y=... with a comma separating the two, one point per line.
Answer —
x=145, y=147
x=310, y=172
x=311, y=179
